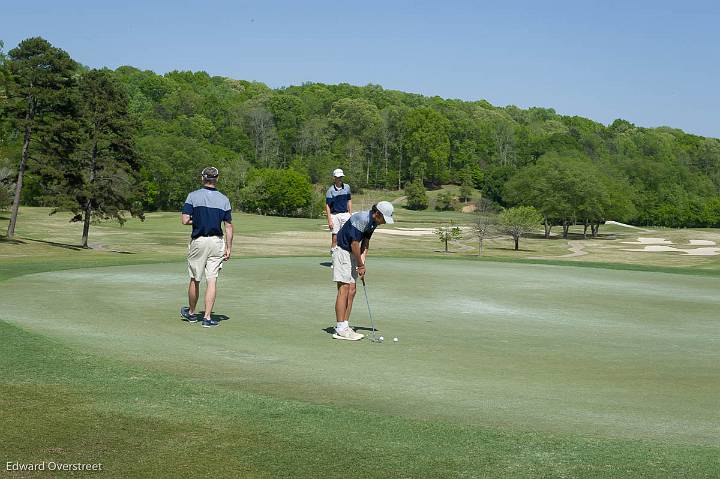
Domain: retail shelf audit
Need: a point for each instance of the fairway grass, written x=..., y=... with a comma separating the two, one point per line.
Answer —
x=503, y=369
x=162, y=238
x=69, y=406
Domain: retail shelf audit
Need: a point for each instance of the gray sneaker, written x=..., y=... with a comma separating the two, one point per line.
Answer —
x=209, y=323
x=348, y=335
x=185, y=314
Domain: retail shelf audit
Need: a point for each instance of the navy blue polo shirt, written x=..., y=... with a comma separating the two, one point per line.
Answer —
x=208, y=209
x=360, y=226
x=337, y=198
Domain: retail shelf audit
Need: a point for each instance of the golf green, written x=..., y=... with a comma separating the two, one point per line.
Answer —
x=617, y=354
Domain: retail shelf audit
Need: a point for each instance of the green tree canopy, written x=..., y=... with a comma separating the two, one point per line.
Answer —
x=382, y=138
x=427, y=144
x=276, y=192
x=99, y=179
x=519, y=221
x=570, y=189
x=37, y=83
x=447, y=233
x=416, y=196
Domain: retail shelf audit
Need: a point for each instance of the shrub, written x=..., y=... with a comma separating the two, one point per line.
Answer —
x=417, y=198
x=276, y=192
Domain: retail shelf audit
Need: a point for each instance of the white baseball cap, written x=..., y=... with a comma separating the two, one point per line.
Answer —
x=386, y=208
x=338, y=173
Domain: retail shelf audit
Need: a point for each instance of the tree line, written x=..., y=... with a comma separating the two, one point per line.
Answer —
x=103, y=142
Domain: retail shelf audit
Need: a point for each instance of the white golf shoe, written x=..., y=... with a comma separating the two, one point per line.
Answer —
x=347, y=334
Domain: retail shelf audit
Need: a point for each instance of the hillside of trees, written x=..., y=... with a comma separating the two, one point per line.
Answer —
x=571, y=169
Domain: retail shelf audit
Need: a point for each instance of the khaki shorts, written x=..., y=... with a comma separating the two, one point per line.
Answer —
x=339, y=219
x=344, y=266
x=205, y=257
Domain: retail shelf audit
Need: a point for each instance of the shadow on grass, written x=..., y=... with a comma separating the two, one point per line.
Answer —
x=327, y=264
x=331, y=330
x=73, y=247
x=201, y=314
x=55, y=244
x=363, y=328
x=4, y=239
x=572, y=236
x=521, y=250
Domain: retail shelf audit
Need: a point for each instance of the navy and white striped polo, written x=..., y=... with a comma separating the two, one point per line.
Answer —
x=337, y=198
x=360, y=226
x=208, y=209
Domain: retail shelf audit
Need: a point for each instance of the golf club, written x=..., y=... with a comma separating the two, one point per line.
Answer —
x=373, y=337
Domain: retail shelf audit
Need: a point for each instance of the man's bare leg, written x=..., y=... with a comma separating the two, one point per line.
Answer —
x=210, y=292
x=341, y=302
x=349, y=302
x=193, y=294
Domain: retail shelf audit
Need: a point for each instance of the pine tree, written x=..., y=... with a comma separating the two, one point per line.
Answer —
x=99, y=179
x=36, y=79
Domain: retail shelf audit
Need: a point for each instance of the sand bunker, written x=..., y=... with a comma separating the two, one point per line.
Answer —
x=658, y=245
x=649, y=241
x=702, y=251
x=406, y=231
x=654, y=248
x=688, y=252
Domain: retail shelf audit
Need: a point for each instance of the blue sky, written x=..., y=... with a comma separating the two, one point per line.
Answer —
x=650, y=62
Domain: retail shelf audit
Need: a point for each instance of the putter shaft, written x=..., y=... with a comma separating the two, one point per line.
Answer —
x=372, y=322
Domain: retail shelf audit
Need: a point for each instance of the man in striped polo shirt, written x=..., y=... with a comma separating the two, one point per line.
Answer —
x=353, y=242
x=205, y=210
x=338, y=205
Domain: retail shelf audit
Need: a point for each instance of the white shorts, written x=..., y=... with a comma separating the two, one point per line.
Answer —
x=205, y=257
x=338, y=220
x=344, y=266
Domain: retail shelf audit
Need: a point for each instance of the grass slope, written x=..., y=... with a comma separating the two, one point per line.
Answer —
x=67, y=406
x=503, y=369
x=548, y=353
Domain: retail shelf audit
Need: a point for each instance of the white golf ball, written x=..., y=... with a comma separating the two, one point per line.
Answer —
x=395, y=339
x=382, y=339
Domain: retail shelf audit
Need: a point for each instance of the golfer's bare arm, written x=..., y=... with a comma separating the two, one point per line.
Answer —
x=228, y=239
x=359, y=251
x=350, y=206
x=186, y=219
x=355, y=248
x=364, y=247
x=329, y=215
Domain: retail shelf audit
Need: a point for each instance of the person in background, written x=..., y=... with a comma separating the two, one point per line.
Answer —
x=338, y=205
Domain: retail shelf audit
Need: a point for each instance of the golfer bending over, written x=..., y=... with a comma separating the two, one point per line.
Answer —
x=206, y=209
x=353, y=241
